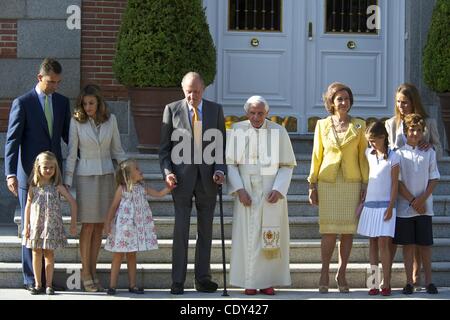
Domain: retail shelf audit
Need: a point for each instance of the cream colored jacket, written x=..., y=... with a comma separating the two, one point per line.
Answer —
x=96, y=154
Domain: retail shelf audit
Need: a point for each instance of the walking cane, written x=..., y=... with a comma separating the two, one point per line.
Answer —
x=225, y=293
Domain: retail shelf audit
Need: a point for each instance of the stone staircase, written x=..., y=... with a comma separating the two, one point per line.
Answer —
x=154, y=267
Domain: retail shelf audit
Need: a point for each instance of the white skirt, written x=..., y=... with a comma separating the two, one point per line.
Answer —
x=371, y=222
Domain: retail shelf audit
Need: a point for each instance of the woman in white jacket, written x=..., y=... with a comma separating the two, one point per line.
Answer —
x=94, y=142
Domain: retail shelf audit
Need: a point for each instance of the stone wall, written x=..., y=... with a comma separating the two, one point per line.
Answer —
x=31, y=30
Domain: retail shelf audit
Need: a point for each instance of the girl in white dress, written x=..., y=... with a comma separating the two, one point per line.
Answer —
x=129, y=223
x=377, y=219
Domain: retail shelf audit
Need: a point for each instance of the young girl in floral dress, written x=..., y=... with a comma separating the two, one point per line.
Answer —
x=43, y=229
x=129, y=223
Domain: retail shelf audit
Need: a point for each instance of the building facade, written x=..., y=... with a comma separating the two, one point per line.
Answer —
x=285, y=50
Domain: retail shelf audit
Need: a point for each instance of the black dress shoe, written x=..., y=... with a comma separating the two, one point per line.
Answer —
x=35, y=291
x=136, y=290
x=28, y=287
x=206, y=286
x=177, y=288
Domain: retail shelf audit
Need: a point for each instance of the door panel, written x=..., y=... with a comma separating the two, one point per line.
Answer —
x=364, y=78
x=258, y=62
x=292, y=54
x=242, y=68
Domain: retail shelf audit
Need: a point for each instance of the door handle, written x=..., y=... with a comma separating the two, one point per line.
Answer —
x=310, y=31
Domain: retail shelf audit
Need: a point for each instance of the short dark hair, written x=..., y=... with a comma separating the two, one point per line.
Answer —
x=50, y=65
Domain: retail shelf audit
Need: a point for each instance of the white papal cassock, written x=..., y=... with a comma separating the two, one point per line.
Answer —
x=247, y=160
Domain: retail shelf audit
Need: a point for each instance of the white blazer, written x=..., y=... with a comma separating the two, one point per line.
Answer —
x=96, y=155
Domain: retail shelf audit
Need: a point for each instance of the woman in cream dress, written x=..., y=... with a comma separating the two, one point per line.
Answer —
x=95, y=136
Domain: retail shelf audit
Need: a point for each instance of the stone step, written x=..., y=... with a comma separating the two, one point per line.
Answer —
x=299, y=184
x=301, y=251
x=158, y=276
x=298, y=205
x=300, y=227
x=150, y=163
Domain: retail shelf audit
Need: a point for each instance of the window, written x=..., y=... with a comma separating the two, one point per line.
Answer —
x=254, y=15
x=348, y=16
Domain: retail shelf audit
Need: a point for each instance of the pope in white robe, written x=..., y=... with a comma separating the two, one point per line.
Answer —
x=260, y=163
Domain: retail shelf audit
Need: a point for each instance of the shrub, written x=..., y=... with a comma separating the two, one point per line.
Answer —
x=436, y=57
x=160, y=41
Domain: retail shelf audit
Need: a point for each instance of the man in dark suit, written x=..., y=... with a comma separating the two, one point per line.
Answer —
x=37, y=122
x=194, y=176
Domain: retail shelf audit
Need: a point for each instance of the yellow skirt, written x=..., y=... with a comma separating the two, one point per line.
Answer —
x=337, y=204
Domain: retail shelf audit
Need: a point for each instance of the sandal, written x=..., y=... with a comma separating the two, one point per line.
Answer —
x=323, y=289
x=342, y=289
x=98, y=284
x=89, y=286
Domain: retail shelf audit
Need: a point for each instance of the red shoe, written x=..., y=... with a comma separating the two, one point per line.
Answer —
x=374, y=292
x=386, y=292
x=250, y=292
x=268, y=291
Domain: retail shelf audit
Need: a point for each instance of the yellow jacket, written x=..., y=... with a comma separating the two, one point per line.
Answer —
x=328, y=157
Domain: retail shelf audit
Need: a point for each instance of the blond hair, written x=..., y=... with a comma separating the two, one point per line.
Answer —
x=410, y=91
x=123, y=173
x=36, y=177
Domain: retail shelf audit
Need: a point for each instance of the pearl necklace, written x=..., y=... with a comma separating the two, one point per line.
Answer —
x=340, y=124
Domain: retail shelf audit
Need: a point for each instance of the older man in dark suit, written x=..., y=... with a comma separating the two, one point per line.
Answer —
x=185, y=163
x=37, y=122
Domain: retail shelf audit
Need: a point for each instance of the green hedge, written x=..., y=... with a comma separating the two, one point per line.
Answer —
x=160, y=41
x=436, y=57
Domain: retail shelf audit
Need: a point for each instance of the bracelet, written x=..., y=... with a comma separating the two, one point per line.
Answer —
x=410, y=203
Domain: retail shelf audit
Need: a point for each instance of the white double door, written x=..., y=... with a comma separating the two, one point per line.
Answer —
x=293, y=67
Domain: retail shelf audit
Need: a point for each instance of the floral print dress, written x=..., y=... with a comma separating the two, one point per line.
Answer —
x=133, y=228
x=46, y=224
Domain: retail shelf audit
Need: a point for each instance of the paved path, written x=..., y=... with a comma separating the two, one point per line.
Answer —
x=235, y=295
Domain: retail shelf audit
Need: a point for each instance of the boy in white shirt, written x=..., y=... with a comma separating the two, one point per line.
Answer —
x=419, y=176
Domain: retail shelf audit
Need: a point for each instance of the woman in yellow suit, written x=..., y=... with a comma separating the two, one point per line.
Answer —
x=338, y=179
